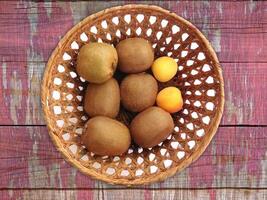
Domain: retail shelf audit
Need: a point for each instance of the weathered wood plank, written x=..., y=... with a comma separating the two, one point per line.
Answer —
x=237, y=30
x=245, y=93
x=37, y=27
x=235, y=158
x=132, y=194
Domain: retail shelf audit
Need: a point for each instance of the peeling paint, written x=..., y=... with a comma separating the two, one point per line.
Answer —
x=11, y=185
x=36, y=171
x=216, y=40
x=48, y=8
x=34, y=80
x=219, y=7
x=4, y=78
x=263, y=180
x=49, y=194
x=252, y=5
x=230, y=108
x=16, y=97
x=240, y=170
x=33, y=17
x=80, y=8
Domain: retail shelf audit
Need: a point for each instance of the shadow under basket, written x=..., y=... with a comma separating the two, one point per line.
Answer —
x=199, y=78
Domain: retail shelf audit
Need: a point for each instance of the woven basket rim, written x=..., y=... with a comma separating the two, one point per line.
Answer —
x=154, y=178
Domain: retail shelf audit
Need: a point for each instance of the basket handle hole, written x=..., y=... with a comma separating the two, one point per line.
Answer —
x=200, y=132
x=159, y=34
x=191, y=144
x=153, y=169
x=57, y=110
x=118, y=33
x=140, y=17
x=164, y=23
x=74, y=45
x=138, y=31
x=115, y=20
x=110, y=171
x=66, y=136
x=93, y=29
x=206, y=120
x=152, y=19
x=73, y=148
x=127, y=18
x=206, y=68
x=66, y=56
x=139, y=172
x=201, y=56
x=167, y=163
x=84, y=37
x=194, y=46
x=125, y=173
x=210, y=106
x=56, y=95
x=211, y=93
x=57, y=81
x=175, y=29
x=104, y=24
x=180, y=154
x=184, y=36
x=149, y=32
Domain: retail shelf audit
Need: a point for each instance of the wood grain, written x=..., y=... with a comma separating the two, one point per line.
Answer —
x=132, y=194
x=235, y=158
x=245, y=94
x=236, y=30
x=37, y=27
x=31, y=167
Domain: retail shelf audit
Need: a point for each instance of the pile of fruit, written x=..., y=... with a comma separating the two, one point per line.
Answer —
x=137, y=93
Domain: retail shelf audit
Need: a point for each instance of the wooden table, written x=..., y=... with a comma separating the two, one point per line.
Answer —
x=233, y=167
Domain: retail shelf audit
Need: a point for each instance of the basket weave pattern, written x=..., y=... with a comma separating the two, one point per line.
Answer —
x=199, y=78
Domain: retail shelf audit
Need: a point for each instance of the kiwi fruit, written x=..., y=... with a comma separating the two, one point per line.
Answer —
x=135, y=55
x=138, y=91
x=97, y=62
x=102, y=99
x=106, y=136
x=151, y=127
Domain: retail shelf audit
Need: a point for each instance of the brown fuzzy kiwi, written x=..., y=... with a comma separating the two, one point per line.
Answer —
x=105, y=136
x=102, y=99
x=135, y=55
x=151, y=127
x=97, y=62
x=138, y=91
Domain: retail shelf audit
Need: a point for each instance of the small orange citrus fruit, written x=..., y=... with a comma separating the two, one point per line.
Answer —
x=170, y=99
x=164, y=68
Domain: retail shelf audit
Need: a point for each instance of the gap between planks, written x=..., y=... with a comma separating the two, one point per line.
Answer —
x=222, y=125
x=221, y=62
x=139, y=188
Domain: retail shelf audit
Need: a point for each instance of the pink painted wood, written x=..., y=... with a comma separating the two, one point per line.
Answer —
x=235, y=158
x=234, y=165
x=129, y=194
x=24, y=55
x=245, y=93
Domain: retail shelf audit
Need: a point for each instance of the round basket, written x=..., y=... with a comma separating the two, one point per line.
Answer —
x=199, y=77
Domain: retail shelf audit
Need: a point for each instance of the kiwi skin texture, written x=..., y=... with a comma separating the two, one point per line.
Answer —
x=135, y=55
x=102, y=99
x=97, y=62
x=151, y=127
x=106, y=136
x=138, y=91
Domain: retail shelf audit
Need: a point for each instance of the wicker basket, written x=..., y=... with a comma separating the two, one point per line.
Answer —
x=199, y=77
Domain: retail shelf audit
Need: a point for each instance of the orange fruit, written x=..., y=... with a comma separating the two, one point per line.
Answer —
x=170, y=99
x=164, y=68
